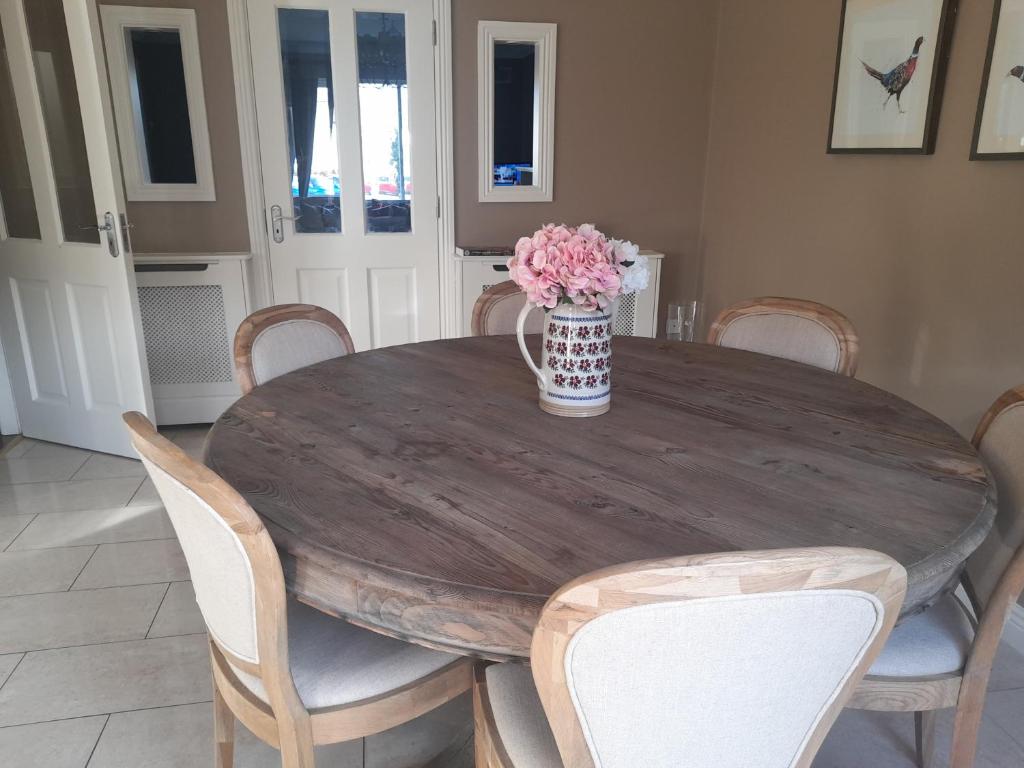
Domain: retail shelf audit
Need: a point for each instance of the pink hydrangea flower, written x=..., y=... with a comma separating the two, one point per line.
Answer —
x=566, y=264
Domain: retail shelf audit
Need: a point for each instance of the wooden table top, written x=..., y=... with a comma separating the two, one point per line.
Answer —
x=420, y=491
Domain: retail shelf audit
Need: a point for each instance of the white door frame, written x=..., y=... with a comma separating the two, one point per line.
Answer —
x=252, y=173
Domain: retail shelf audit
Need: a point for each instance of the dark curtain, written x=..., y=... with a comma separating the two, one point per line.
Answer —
x=303, y=75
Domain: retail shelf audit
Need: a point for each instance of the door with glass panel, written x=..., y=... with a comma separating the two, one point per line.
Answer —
x=68, y=313
x=345, y=101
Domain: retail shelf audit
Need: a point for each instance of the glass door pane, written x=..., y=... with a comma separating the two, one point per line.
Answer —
x=384, y=121
x=16, y=200
x=62, y=115
x=309, y=110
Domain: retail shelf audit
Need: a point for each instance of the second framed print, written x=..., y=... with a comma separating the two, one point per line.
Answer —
x=890, y=70
x=999, y=128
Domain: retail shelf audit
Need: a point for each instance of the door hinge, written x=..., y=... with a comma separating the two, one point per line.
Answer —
x=435, y=32
x=439, y=206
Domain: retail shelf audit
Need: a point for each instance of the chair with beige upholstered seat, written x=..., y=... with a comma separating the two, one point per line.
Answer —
x=736, y=659
x=293, y=676
x=942, y=658
x=496, y=311
x=274, y=341
x=803, y=331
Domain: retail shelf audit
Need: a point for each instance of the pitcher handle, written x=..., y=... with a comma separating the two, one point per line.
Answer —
x=520, y=323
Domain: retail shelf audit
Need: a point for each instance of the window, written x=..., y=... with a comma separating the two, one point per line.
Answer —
x=157, y=84
x=516, y=71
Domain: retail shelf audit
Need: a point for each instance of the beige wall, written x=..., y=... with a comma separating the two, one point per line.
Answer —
x=213, y=227
x=922, y=253
x=631, y=108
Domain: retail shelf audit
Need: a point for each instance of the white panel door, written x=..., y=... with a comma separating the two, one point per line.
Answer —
x=68, y=308
x=345, y=100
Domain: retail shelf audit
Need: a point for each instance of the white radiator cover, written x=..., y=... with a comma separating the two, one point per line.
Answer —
x=190, y=307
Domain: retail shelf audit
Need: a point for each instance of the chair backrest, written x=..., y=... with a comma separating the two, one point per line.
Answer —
x=733, y=659
x=1000, y=440
x=232, y=561
x=798, y=330
x=496, y=311
x=274, y=341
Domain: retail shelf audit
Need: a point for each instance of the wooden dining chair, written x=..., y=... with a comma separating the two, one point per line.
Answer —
x=295, y=677
x=496, y=311
x=274, y=341
x=942, y=658
x=798, y=330
x=742, y=658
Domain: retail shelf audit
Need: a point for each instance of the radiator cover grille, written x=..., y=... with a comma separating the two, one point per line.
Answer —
x=186, y=334
x=625, y=315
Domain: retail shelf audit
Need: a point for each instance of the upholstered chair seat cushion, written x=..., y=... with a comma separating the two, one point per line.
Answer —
x=934, y=642
x=334, y=662
x=519, y=717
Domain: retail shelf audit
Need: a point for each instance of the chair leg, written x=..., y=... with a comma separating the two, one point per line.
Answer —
x=223, y=731
x=924, y=737
x=296, y=741
x=965, y=733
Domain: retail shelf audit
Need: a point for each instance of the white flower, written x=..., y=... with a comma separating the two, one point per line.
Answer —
x=625, y=251
x=636, y=277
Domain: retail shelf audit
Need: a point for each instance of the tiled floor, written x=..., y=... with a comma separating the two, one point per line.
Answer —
x=103, y=656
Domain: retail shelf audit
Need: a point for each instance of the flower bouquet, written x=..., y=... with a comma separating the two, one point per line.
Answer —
x=574, y=274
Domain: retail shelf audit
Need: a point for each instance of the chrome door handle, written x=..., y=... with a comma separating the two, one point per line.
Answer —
x=276, y=217
x=108, y=227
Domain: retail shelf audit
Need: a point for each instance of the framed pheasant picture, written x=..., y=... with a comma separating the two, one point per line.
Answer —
x=999, y=127
x=890, y=70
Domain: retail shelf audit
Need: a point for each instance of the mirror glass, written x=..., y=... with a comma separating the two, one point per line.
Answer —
x=515, y=109
x=160, y=104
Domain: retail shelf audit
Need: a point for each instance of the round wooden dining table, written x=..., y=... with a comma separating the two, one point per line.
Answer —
x=419, y=491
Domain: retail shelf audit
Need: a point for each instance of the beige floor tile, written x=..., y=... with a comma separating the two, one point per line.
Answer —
x=102, y=465
x=182, y=737
x=100, y=679
x=886, y=740
x=97, y=526
x=41, y=570
x=446, y=731
x=178, y=614
x=60, y=744
x=146, y=495
x=7, y=665
x=11, y=526
x=43, y=469
x=1008, y=670
x=35, y=498
x=58, y=619
x=1006, y=709
x=134, y=562
x=42, y=449
x=20, y=448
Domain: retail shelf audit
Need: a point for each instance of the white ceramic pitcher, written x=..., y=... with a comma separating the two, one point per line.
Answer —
x=574, y=376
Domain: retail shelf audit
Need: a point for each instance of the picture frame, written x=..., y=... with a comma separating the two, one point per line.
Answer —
x=891, y=63
x=999, y=123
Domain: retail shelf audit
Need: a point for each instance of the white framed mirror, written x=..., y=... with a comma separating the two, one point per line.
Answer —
x=516, y=115
x=156, y=81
